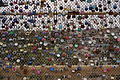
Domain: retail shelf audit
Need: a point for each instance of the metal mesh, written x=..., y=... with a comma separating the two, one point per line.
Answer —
x=59, y=40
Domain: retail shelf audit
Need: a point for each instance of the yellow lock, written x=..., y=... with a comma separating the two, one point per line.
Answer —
x=47, y=48
x=6, y=51
x=1, y=43
x=21, y=50
x=28, y=44
x=8, y=63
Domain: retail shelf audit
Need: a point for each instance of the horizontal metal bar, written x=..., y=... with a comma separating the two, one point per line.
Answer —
x=69, y=13
x=72, y=66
